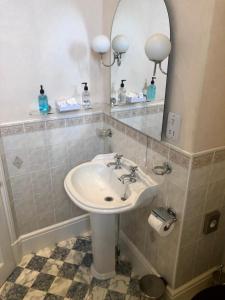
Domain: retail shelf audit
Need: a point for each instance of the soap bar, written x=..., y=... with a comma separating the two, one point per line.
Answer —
x=67, y=105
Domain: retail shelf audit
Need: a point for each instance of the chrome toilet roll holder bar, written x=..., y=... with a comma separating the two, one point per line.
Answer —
x=168, y=215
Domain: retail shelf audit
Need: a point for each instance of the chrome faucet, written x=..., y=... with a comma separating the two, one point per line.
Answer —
x=116, y=163
x=132, y=177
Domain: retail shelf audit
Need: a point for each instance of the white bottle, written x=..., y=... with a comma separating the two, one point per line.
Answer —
x=122, y=96
x=86, y=101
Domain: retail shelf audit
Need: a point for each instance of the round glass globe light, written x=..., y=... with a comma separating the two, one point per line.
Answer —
x=158, y=47
x=120, y=44
x=101, y=44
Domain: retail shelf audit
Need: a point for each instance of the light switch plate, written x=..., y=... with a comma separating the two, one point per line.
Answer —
x=173, y=126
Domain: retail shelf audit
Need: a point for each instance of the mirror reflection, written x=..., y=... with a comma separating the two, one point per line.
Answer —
x=138, y=84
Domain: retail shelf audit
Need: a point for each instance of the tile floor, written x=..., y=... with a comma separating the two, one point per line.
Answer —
x=64, y=273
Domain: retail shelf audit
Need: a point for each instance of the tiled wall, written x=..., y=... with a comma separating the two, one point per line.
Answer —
x=200, y=252
x=36, y=158
x=146, y=152
x=195, y=187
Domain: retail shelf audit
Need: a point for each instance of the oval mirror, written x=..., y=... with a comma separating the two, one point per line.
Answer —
x=145, y=28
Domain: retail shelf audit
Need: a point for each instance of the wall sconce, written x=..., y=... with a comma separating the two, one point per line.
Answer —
x=120, y=45
x=157, y=48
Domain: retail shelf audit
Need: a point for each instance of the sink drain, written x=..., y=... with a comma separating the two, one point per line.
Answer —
x=108, y=199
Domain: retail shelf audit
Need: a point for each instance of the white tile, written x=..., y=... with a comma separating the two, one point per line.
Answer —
x=83, y=275
x=74, y=257
x=27, y=277
x=60, y=286
x=25, y=260
x=5, y=288
x=119, y=284
x=97, y=293
x=34, y=295
x=68, y=243
x=52, y=267
x=46, y=252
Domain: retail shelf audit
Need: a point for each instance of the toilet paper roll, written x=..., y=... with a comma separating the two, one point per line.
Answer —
x=160, y=226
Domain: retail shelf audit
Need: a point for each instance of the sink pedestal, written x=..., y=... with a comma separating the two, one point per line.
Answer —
x=103, y=245
x=95, y=188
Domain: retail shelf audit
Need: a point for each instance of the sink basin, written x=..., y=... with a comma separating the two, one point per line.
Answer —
x=96, y=188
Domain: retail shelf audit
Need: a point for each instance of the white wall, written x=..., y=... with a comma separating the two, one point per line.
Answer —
x=46, y=42
x=190, y=30
x=210, y=128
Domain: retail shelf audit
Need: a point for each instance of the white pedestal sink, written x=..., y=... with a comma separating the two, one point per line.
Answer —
x=96, y=188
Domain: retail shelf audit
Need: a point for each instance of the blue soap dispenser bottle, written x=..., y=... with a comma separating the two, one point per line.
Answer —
x=43, y=102
x=151, y=92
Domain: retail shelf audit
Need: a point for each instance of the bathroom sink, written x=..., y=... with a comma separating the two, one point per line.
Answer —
x=96, y=188
x=106, y=187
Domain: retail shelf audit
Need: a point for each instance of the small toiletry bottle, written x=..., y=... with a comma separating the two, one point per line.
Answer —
x=145, y=89
x=43, y=102
x=151, y=90
x=122, y=97
x=86, y=101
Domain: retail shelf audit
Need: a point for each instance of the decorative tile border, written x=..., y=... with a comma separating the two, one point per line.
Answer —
x=160, y=148
x=202, y=160
x=34, y=126
x=134, y=112
x=51, y=124
x=12, y=129
x=28, y=127
x=167, y=150
x=219, y=156
x=74, y=122
x=164, y=149
x=179, y=158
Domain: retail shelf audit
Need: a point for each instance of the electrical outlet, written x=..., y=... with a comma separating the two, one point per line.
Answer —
x=173, y=126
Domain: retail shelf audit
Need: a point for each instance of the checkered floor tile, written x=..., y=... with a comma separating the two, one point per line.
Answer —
x=64, y=273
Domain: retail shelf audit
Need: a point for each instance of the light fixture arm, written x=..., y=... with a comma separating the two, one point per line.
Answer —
x=105, y=65
x=116, y=58
x=160, y=67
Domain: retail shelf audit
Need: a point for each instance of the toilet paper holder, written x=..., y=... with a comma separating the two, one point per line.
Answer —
x=168, y=215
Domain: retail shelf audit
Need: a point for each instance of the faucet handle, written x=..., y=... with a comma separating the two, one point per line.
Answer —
x=133, y=169
x=118, y=156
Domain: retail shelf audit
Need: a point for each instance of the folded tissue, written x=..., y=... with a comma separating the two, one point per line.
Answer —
x=67, y=105
x=135, y=98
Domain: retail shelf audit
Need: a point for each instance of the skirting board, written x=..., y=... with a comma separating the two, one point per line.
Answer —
x=191, y=288
x=49, y=236
x=142, y=266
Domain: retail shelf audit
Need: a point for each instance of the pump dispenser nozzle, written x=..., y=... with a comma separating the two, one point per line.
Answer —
x=153, y=80
x=85, y=86
x=122, y=83
x=42, y=90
